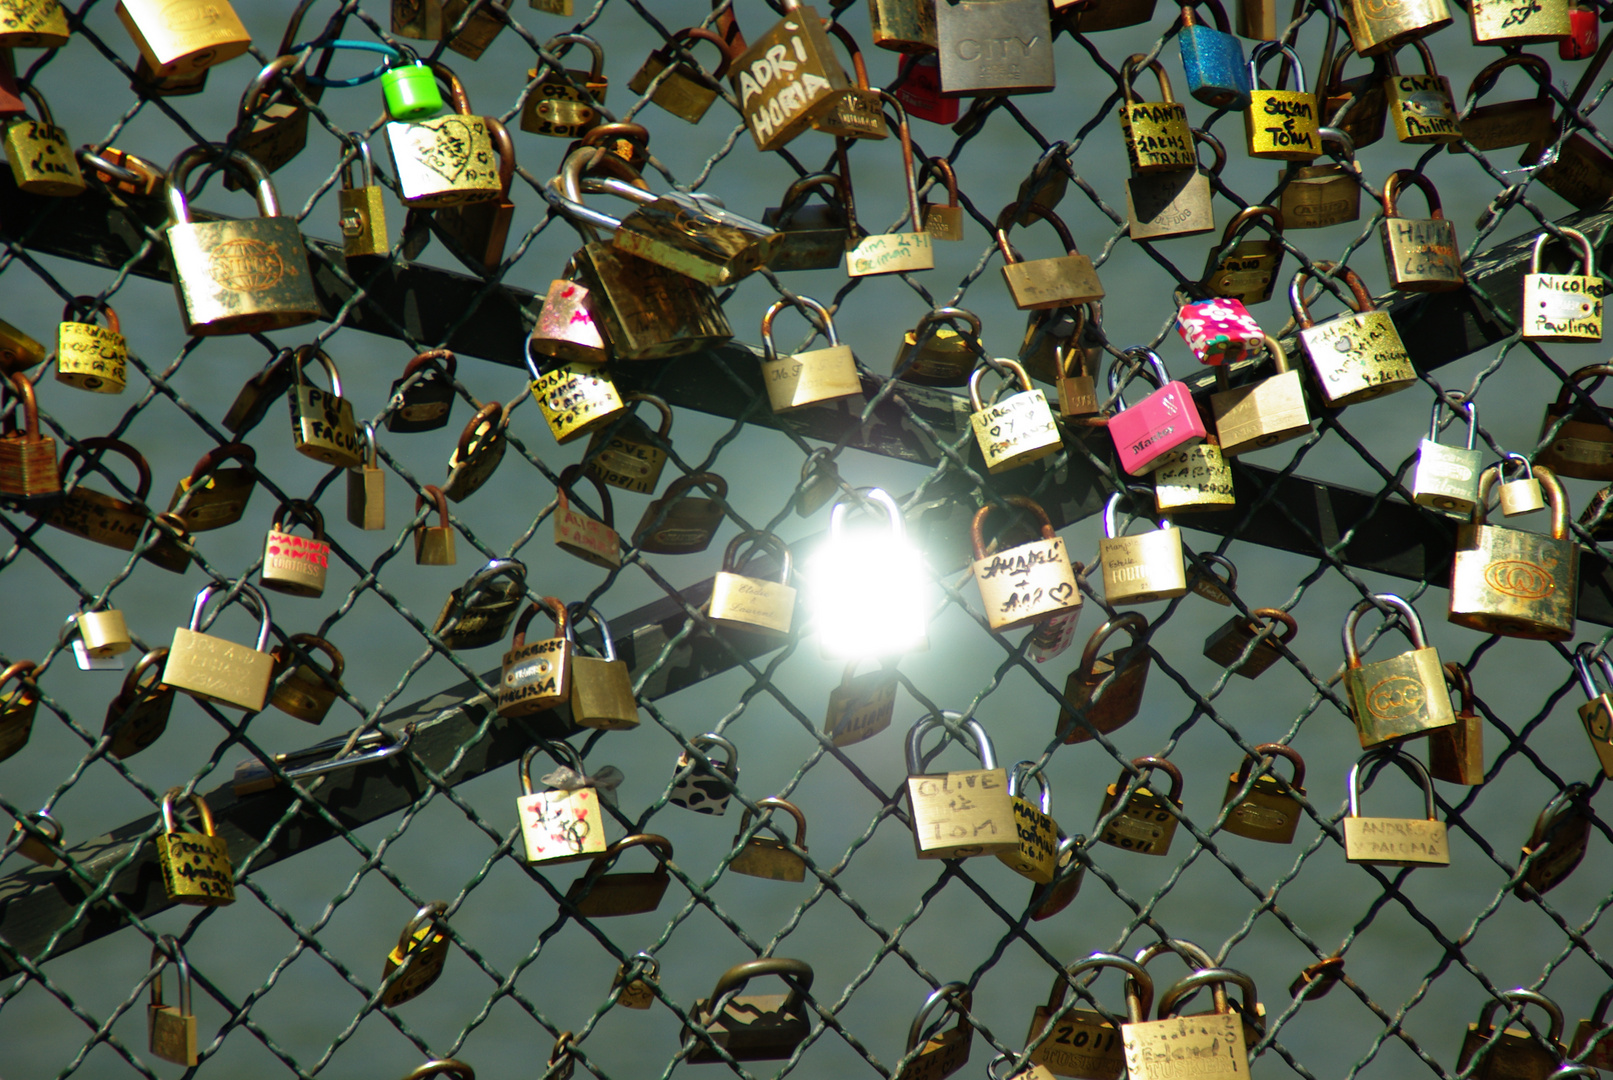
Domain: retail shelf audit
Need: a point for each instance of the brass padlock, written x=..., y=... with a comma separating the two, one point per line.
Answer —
x=445, y=160
x=958, y=815
x=935, y=355
x=1557, y=843
x=18, y=708
x=741, y=602
x=147, y=84
x=1027, y=583
x=1516, y=583
x=183, y=37
x=700, y=789
x=637, y=978
x=856, y=111
x=873, y=558
x=41, y=836
x=751, y=1027
x=1078, y=392
x=1578, y=442
x=680, y=522
x=1281, y=124
x=423, y=396
x=479, y=612
x=943, y=221
x=1145, y=822
x=18, y=351
x=477, y=231
x=860, y=706
x=1596, y=714
x=1403, y=696
x=103, y=519
x=1315, y=980
x=565, y=102
x=598, y=895
x=1214, y=1040
x=42, y=160
x=252, y=401
x=992, y=48
x=34, y=24
x=1509, y=123
x=361, y=210
x=1083, y=1043
x=576, y=396
x=1593, y=1043
x=1017, y=430
x=1517, y=1053
x=236, y=277
x=172, y=1028
x=601, y=686
x=1394, y=841
x=1165, y=205
x=1316, y=196
x=28, y=468
x=366, y=488
x=893, y=252
x=1496, y=23
x=1259, y=637
x=1203, y=581
x=481, y=447
x=1195, y=479
x=906, y=26
x=1358, y=106
x=212, y=497
x=562, y=823
x=808, y=378
x=778, y=101
x=1092, y=16
x=167, y=544
x=291, y=564
x=90, y=356
x=1355, y=357
x=592, y=539
x=562, y=1059
x=309, y=690
x=1037, y=854
x=432, y=20
x=1062, y=281
x=1562, y=307
x=322, y=420
x=933, y=1053
x=764, y=857
x=1157, y=134
x=1264, y=413
x=1379, y=28
x=1047, y=183
x=1140, y=569
x=538, y=676
x=1456, y=753
x=1421, y=105
x=271, y=124
x=1270, y=810
x=1421, y=253
x=195, y=865
x=138, y=715
x=1447, y=478
x=1107, y=707
x=433, y=544
x=625, y=454
x=214, y=669
x=810, y=237
x=417, y=959
x=1246, y=270
x=686, y=91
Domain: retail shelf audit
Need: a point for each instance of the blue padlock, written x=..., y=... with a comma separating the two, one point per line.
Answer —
x=1217, y=73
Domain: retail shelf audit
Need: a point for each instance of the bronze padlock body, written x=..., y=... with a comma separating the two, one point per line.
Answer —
x=1144, y=825
x=1316, y=196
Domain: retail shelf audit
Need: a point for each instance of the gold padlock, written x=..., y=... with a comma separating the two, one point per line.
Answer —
x=562, y=823
x=1157, y=135
x=893, y=252
x=40, y=834
x=598, y=895
x=780, y=102
x=1281, y=124
x=686, y=91
x=195, y=865
x=18, y=351
x=1165, y=205
x=1421, y=105
x=807, y=378
x=1556, y=845
x=1216, y=1039
x=417, y=959
x=1421, y=253
x=480, y=449
x=184, y=37
x=741, y=602
x=1355, y=357
x=172, y=1028
x=445, y=160
x=861, y=706
x=477, y=230
x=1140, y=569
x=537, y=677
x=564, y=103
x=1107, y=707
x=366, y=488
x=1379, y=28
x=1498, y=23
x=1447, y=478
x=1403, y=696
x=625, y=454
x=1596, y=714
x=681, y=522
x=90, y=356
x=1062, y=281
x=601, y=686
x=943, y=221
x=291, y=564
x=1247, y=271
x=764, y=857
x=212, y=497
x=1516, y=583
x=1517, y=1053
x=958, y=815
x=1027, y=583
x=42, y=160
x=271, y=124
x=103, y=519
x=1270, y=810
x=308, y=691
x=1082, y=1043
x=1394, y=841
x=322, y=420
x=18, y=708
x=34, y=24
x=592, y=539
x=433, y=544
x=856, y=112
x=902, y=25
x=1037, y=855
x=1562, y=307
x=1263, y=413
x=1228, y=644
x=1357, y=106
x=361, y=210
x=576, y=397
x=1456, y=753
x=933, y=1053
x=935, y=355
x=1316, y=196
x=101, y=634
x=1524, y=495
x=751, y=1027
x=1016, y=431
x=1195, y=479
x=637, y=980
x=214, y=669
x=1203, y=581
x=138, y=715
x=28, y=467
x=1509, y=123
x=1145, y=822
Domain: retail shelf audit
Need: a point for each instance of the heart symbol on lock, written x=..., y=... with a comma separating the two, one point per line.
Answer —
x=444, y=146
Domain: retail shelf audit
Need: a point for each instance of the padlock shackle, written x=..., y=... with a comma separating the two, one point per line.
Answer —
x=1523, y=996
x=504, y=146
x=1021, y=774
x=107, y=442
x=19, y=671
x=167, y=949
x=1412, y=625
x=577, y=610
x=1264, y=51
x=943, y=168
x=361, y=156
x=1457, y=679
x=569, y=196
x=1273, y=751
x=1226, y=584
x=803, y=304
x=299, y=510
x=568, y=476
x=1190, y=952
x=684, y=484
x=858, y=66
x=1024, y=502
x=429, y=914
x=1217, y=147
x=1128, y=76
x=795, y=195
x=1014, y=366
x=255, y=176
x=1556, y=498
x=550, y=605
x=432, y=356
x=1598, y=372
x=905, y=136
x=1218, y=14
x=595, y=50
x=1399, y=179
x=91, y=304
x=491, y=415
x=1007, y=218
x=774, y=803
x=1302, y=310
x=1111, y=529
x=24, y=389
x=1216, y=977
x=434, y=493
x=443, y=1067
x=513, y=569
x=958, y=1000
x=737, y=976
x=925, y=724
x=306, y=353
x=1140, y=360
x=759, y=540
x=1584, y=654
x=263, y=85
x=1422, y=50
x=1377, y=758
x=1462, y=407
x=949, y=315
x=1139, y=986
x=196, y=801
x=1248, y=217
x=1585, y=253
x=664, y=429
x=41, y=824
x=1146, y=766
x=1132, y=622
x=1599, y=1017
x=245, y=595
x=730, y=53
x=730, y=765
x=1484, y=81
x=1278, y=354
x=131, y=681
x=373, y=748
x=1509, y=457
x=315, y=643
x=1325, y=135
x=563, y=750
x=564, y=1046
x=842, y=507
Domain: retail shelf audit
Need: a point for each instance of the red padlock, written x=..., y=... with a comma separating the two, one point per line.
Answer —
x=1584, y=34
x=1165, y=420
x=919, y=89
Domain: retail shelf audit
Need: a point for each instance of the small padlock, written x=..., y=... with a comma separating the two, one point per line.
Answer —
x=1557, y=843
x=902, y=25
x=167, y=544
x=1247, y=271
x=943, y=221
x=309, y=690
x=212, y=497
x=28, y=468
x=935, y=355
x=42, y=160
x=479, y=451
x=172, y=1028
x=1584, y=35
x=1212, y=58
x=417, y=959
x=564, y=103
x=741, y=602
x=1078, y=393
x=291, y=564
x=1219, y=331
x=687, y=91
x=1203, y=581
x=537, y=677
x=599, y=895
x=1524, y=495
x=1447, y=478
x=1167, y=419
x=601, y=686
x=626, y=454
x=40, y=833
x=138, y=715
x=591, y=539
x=562, y=1059
x=478, y=230
x=1509, y=123
x=680, y=522
x=764, y=857
x=755, y=1027
x=1082, y=1043
x=1263, y=413
x=562, y=823
x=637, y=979
x=1596, y=713
x=1515, y=1052
x=18, y=708
x=700, y=789
x=1516, y=583
x=1355, y=357
x=1028, y=583
x=1145, y=822
x=1270, y=811
x=856, y=111
x=1165, y=205
x=1421, y=105
x=271, y=124
x=958, y=815
x=1108, y=690
x=184, y=37
x=1403, y=696
x=433, y=544
x=1048, y=900
x=101, y=518
x=1562, y=307
x=1037, y=854
x=1281, y=124
x=576, y=396
x=807, y=378
x=421, y=398
x=1036, y=284
x=361, y=211
x=195, y=865
x=1157, y=135
x=860, y=706
x=409, y=88
x=366, y=488
x=446, y=160
x=933, y=1053
x=1015, y=431
x=99, y=639
x=1421, y=253
x=322, y=420
x=1316, y=196
x=1456, y=753
x=214, y=669
x=147, y=84
x=479, y=612
x=1092, y=16
x=90, y=356
x=893, y=252
x=252, y=401
x=918, y=87
x=974, y=39
x=1228, y=643
x=1140, y=569
x=1592, y=1042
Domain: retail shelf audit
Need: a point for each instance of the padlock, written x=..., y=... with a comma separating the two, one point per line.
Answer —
x=1270, y=810
x=1596, y=714
x=88, y=355
x=361, y=210
x=1447, y=478
x=421, y=398
x=1556, y=846
x=1167, y=419
x=1509, y=123
x=600, y=895
x=536, y=677
x=1092, y=16
x=1376, y=28
x=1456, y=753
x=741, y=602
x=417, y=959
x=576, y=397
x=1048, y=900
x=291, y=564
x=42, y=160
x=958, y=815
x=214, y=669
x=906, y=26
x=310, y=690
x=562, y=823
x=1421, y=105
x=1157, y=135
x=918, y=86
x=322, y=420
x=988, y=47
x=1515, y=583
x=591, y=539
x=1216, y=588
x=601, y=686
x=433, y=544
x=637, y=979
x=810, y=237
x=1126, y=673
x=1078, y=393
x=171, y=1028
x=212, y=497
x=1256, y=19
x=764, y=857
x=271, y=124
x=1403, y=696
x=103, y=519
x=195, y=865
x=626, y=454
x=1228, y=642
x=1061, y=281
x=1165, y=205
x=1562, y=307
x=261, y=390
x=1421, y=253
x=409, y=88
x=1219, y=331
x=1140, y=569
x=28, y=468
x=239, y=276
x=366, y=488
x=564, y=103
x=167, y=544
x=183, y=37
x=700, y=789
x=1501, y=24
x=1083, y=1043
x=432, y=20
x=933, y=1053
x=1580, y=442
x=935, y=355
x=778, y=103
x=1584, y=35
x=1145, y=822
x=1524, y=495
x=860, y=706
x=1046, y=185
x=1249, y=1009
x=148, y=84
x=101, y=634
x=1517, y=1052
x=1028, y=583
x=1575, y=168
x=1036, y=857
x=1212, y=58
x=1592, y=1042
x=1247, y=272
x=479, y=612
x=1017, y=430
x=480, y=229
x=18, y=351
x=751, y=1027
x=562, y=1059
x=1316, y=196
x=875, y=558
x=1264, y=413
x=807, y=378
x=18, y=708
x=856, y=112
x=568, y=329
x=1359, y=106
x=1281, y=124
x=481, y=447
x=1357, y=356
x=446, y=160
x=893, y=252
x=1394, y=841
x=687, y=91
x=680, y=522
x=943, y=222
x=33, y=24
x=40, y=833
x=1215, y=1041
x=1315, y=980
x=138, y=715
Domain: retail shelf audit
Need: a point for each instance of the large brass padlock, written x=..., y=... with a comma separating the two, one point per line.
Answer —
x=417, y=959
x=625, y=454
x=937, y=355
x=172, y=1028
x=860, y=706
x=88, y=355
x=1017, y=430
x=101, y=518
x=1027, y=583
x=1037, y=284
x=682, y=522
x=1556, y=845
x=752, y=1027
x=1145, y=822
x=480, y=449
x=991, y=48
x=1270, y=810
x=1562, y=307
x=18, y=708
x=779, y=101
x=686, y=91
x=1140, y=569
x=322, y=420
x=1411, y=842
x=1517, y=1053
x=1213, y=1041
x=1421, y=253
x=1580, y=440
x=764, y=857
x=1456, y=753
x=1316, y=196
x=1447, y=477
x=562, y=823
x=138, y=715
x=933, y=1053
x=1516, y=583
x=1268, y=632
x=958, y=815
x=291, y=564
x=212, y=497
x=700, y=788
x=742, y=602
x=1107, y=707
x=213, y=669
x=808, y=378
x=1165, y=205
x=195, y=865
x=479, y=612
x=1381, y=28
x=1403, y=696
x=601, y=686
x=592, y=539
x=446, y=160
x=564, y=103
x=28, y=468
x=1158, y=138
x=600, y=895
x=183, y=37
x=1281, y=124
x=1037, y=855
x=1264, y=413
x=538, y=676
x=893, y=252
x=1597, y=712
x=1355, y=357
x=1247, y=271
x=1083, y=1043
x=1421, y=105
x=1509, y=123
x=810, y=237
x=308, y=690
x=42, y=160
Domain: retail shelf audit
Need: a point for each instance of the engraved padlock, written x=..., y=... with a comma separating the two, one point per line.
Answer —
x=1403, y=696
x=1140, y=569
x=88, y=355
x=1512, y=582
x=1562, y=307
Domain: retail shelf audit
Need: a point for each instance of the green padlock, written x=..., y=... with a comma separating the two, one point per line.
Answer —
x=410, y=89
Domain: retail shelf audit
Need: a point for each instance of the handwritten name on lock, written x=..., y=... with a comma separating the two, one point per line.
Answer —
x=557, y=822
x=860, y=718
x=1361, y=347
x=1400, y=838
x=93, y=521
x=950, y=795
x=94, y=349
x=1172, y=149
x=1018, y=564
x=534, y=676
x=1286, y=116
x=1038, y=835
x=890, y=248
x=1185, y=469
x=1424, y=245
x=197, y=862
x=797, y=88
x=584, y=532
x=1192, y=1046
x=1015, y=422
x=298, y=554
x=571, y=394
x=322, y=418
x=625, y=463
x=1566, y=304
x=1426, y=105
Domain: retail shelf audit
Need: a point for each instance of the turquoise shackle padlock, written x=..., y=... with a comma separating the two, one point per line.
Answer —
x=410, y=89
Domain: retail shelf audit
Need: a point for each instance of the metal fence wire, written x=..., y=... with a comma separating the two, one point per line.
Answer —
x=329, y=866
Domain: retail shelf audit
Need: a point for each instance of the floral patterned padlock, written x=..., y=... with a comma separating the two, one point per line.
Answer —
x=1219, y=331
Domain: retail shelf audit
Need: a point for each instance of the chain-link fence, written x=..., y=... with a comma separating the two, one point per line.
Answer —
x=329, y=869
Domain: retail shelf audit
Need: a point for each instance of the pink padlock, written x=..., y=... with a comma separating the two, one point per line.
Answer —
x=918, y=88
x=1219, y=331
x=1584, y=35
x=1163, y=421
